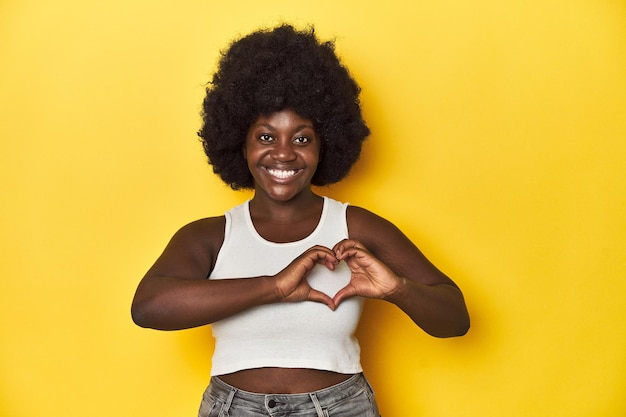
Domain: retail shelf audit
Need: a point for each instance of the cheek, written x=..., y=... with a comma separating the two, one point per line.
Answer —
x=316, y=157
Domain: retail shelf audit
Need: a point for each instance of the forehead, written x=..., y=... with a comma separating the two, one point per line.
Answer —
x=283, y=119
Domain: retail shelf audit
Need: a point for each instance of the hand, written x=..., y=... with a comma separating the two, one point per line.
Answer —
x=370, y=277
x=291, y=283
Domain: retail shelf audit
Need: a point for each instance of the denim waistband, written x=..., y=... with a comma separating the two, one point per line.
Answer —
x=283, y=404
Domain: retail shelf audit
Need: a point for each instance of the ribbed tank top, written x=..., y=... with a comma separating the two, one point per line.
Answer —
x=287, y=335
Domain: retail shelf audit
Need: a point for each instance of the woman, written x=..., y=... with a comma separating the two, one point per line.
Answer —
x=282, y=277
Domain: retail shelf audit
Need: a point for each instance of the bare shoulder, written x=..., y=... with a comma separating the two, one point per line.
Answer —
x=207, y=233
x=378, y=234
x=368, y=227
x=388, y=243
x=192, y=250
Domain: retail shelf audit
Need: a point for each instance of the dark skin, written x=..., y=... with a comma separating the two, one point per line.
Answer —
x=282, y=152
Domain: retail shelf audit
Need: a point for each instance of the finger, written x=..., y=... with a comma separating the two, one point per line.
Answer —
x=321, y=248
x=353, y=253
x=346, y=245
x=339, y=245
x=320, y=297
x=344, y=293
x=316, y=256
x=323, y=256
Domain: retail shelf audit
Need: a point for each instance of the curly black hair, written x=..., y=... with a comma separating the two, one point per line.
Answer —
x=272, y=70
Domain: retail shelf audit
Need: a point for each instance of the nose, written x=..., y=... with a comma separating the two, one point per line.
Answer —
x=283, y=151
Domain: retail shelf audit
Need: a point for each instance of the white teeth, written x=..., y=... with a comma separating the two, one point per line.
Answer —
x=281, y=173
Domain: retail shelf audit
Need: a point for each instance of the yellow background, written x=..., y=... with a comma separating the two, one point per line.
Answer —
x=498, y=146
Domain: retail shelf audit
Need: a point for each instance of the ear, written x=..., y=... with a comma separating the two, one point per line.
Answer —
x=244, y=151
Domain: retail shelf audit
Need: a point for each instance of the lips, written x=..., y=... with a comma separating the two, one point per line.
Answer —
x=282, y=174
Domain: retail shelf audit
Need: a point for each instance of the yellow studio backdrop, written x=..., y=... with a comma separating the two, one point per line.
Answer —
x=498, y=146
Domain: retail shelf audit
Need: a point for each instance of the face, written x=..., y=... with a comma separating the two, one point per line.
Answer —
x=282, y=151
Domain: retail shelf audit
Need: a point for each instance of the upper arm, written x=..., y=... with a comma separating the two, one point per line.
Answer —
x=389, y=244
x=192, y=251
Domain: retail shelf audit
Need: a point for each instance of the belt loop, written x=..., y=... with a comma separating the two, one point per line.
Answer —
x=229, y=400
x=316, y=403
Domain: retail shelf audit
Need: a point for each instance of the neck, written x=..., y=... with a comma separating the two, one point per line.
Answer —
x=302, y=206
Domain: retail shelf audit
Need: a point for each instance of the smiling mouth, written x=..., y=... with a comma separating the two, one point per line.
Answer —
x=282, y=173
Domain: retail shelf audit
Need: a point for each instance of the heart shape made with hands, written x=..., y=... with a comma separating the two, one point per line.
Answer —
x=329, y=282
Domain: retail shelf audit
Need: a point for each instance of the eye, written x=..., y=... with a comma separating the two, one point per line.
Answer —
x=301, y=140
x=265, y=137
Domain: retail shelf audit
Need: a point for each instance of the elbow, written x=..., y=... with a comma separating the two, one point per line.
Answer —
x=152, y=314
x=449, y=333
x=458, y=322
x=140, y=316
x=460, y=328
x=453, y=328
x=144, y=315
x=463, y=328
x=460, y=325
x=452, y=320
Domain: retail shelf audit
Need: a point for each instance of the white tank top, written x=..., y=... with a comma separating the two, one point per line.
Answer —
x=286, y=335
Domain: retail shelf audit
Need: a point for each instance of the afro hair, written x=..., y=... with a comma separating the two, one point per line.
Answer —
x=277, y=69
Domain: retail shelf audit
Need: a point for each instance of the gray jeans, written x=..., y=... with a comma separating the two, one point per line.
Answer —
x=351, y=398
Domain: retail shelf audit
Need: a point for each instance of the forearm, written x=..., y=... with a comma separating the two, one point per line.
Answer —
x=439, y=309
x=167, y=303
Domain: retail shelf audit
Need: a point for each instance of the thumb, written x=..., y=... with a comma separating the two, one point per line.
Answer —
x=344, y=293
x=320, y=297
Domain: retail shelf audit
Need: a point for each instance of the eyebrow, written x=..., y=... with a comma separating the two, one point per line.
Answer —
x=298, y=128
